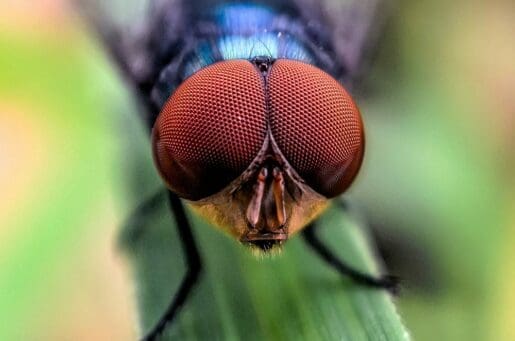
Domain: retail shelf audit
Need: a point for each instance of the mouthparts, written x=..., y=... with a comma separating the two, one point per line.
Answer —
x=265, y=241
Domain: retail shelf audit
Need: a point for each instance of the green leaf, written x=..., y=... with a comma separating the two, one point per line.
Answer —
x=291, y=296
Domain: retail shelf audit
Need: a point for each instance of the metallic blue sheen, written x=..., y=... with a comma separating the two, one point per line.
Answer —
x=247, y=31
x=243, y=18
x=261, y=44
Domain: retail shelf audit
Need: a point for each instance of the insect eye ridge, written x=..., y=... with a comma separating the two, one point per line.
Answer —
x=333, y=181
x=210, y=129
x=316, y=125
x=191, y=179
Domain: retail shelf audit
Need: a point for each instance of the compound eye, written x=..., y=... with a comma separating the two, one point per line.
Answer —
x=210, y=129
x=316, y=125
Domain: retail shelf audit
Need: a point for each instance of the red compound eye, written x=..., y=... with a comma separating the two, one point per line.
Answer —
x=211, y=128
x=316, y=125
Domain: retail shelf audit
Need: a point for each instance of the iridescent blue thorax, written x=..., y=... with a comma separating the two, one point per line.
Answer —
x=248, y=31
x=238, y=31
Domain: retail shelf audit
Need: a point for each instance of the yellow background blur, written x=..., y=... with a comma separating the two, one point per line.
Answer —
x=440, y=161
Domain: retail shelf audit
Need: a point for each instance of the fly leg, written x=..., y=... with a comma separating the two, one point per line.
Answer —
x=389, y=283
x=193, y=263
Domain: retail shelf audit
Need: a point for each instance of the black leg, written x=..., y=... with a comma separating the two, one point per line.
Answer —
x=385, y=282
x=193, y=263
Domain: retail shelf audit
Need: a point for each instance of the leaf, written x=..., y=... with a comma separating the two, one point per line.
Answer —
x=291, y=296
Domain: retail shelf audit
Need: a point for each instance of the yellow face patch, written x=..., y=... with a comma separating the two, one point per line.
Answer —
x=226, y=211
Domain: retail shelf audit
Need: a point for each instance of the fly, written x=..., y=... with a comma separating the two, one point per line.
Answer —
x=249, y=124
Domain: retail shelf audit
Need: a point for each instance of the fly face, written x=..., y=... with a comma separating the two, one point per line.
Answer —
x=245, y=124
x=258, y=146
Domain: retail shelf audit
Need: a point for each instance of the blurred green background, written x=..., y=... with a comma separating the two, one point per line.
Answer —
x=437, y=185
